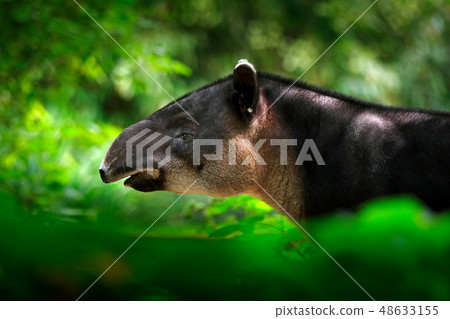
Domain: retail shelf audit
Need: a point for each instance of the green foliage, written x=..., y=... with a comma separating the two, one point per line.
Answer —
x=394, y=248
x=67, y=90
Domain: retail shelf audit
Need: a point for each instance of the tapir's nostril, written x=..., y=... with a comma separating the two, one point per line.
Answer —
x=102, y=174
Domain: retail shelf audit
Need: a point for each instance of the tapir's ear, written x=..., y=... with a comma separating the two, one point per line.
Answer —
x=245, y=82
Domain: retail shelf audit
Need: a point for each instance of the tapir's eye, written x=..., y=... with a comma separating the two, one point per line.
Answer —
x=185, y=136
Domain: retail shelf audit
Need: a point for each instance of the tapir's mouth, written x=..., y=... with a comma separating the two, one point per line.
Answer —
x=145, y=181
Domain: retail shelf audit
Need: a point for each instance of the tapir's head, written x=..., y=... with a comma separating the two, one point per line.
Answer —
x=168, y=151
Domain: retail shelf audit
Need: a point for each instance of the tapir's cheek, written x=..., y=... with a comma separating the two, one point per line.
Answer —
x=182, y=150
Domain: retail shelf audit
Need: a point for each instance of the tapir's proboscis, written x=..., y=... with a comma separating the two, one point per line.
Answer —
x=358, y=150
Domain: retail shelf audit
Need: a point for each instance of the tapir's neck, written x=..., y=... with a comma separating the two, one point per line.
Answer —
x=278, y=184
x=281, y=188
x=299, y=114
x=296, y=105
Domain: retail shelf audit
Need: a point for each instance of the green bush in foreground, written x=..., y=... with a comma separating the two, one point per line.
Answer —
x=393, y=247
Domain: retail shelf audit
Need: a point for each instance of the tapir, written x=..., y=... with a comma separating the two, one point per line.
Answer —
x=355, y=150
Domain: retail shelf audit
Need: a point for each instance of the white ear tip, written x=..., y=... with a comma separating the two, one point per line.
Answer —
x=245, y=62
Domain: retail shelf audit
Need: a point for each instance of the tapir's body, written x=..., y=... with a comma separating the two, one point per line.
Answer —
x=368, y=150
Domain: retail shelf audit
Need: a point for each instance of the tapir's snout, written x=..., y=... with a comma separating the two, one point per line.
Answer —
x=124, y=159
x=102, y=171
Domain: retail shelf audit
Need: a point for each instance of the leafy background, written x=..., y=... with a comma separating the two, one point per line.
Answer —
x=67, y=91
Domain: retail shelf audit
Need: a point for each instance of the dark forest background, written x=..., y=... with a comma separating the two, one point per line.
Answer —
x=67, y=90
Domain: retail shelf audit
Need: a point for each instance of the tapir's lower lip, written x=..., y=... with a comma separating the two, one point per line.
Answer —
x=147, y=181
